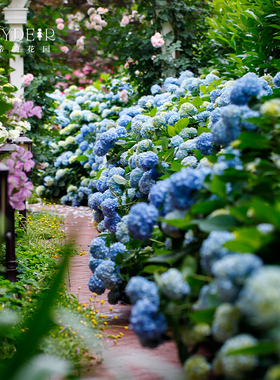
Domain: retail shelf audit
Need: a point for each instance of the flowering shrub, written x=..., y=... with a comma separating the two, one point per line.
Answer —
x=19, y=188
x=184, y=190
x=82, y=115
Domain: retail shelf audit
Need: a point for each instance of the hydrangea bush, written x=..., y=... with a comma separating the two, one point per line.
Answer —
x=186, y=200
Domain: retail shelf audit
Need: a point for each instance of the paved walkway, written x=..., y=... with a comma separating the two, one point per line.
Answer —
x=127, y=359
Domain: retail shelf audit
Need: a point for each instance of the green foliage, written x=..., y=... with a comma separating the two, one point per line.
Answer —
x=134, y=40
x=248, y=34
x=45, y=318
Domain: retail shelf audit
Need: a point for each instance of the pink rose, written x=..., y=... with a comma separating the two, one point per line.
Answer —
x=59, y=20
x=98, y=28
x=124, y=21
x=157, y=40
x=123, y=96
x=60, y=26
x=103, y=23
x=97, y=19
x=64, y=49
x=27, y=79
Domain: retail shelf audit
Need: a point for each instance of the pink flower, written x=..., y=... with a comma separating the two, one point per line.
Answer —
x=101, y=10
x=157, y=40
x=77, y=73
x=103, y=23
x=64, y=49
x=60, y=26
x=27, y=79
x=67, y=76
x=98, y=28
x=97, y=19
x=59, y=20
x=124, y=21
x=123, y=96
x=126, y=65
x=19, y=188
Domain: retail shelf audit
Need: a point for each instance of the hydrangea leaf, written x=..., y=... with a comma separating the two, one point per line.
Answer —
x=220, y=222
x=119, y=179
x=82, y=157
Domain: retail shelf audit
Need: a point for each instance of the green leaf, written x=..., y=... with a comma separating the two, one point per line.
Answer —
x=154, y=268
x=266, y=213
x=176, y=166
x=169, y=257
x=219, y=222
x=261, y=348
x=169, y=154
x=153, y=112
x=37, y=327
x=164, y=143
x=119, y=179
x=197, y=102
x=218, y=187
x=206, y=207
x=171, y=131
x=82, y=157
x=203, y=88
x=202, y=130
x=202, y=316
x=98, y=174
x=253, y=140
x=181, y=124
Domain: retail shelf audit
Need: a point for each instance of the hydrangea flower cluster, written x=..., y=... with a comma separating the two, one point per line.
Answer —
x=148, y=324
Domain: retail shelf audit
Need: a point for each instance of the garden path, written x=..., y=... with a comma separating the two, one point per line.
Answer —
x=128, y=359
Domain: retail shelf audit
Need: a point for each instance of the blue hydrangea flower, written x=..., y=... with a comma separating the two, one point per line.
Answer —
x=224, y=135
x=148, y=160
x=147, y=323
x=176, y=141
x=135, y=177
x=203, y=116
x=235, y=366
x=111, y=223
x=188, y=133
x=96, y=285
x=116, y=248
x=97, y=249
x=144, y=145
x=244, y=88
x=98, y=216
x=108, y=207
x=187, y=109
x=276, y=80
x=105, y=270
x=146, y=182
x=99, y=150
x=95, y=200
x=172, y=284
x=183, y=183
x=122, y=233
x=93, y=263
x=141, y=219
x=102, y=184
x=139, y=288
x=190, y=161
x=204, y=143
x=124, y=120
x=214, y=94
x=236, y=267
x=147, y=130
x=212, y=248
x=156, y=89
x=158, y=121
x=259, y=299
